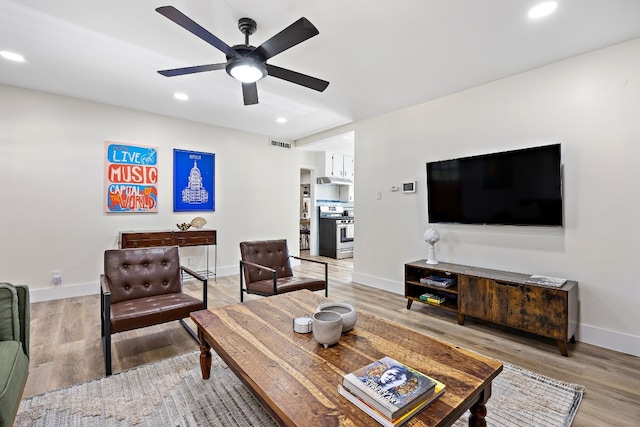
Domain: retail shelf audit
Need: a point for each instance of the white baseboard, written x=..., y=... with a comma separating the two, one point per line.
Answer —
x=66, y=291
x=378, y=283
x=612, y=340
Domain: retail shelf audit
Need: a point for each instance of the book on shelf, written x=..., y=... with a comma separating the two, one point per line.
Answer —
x=390, y=387
x=432, y=298
x=440, y=282
x=536, y=279
x=382, y=419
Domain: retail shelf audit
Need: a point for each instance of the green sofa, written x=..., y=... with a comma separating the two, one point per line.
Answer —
x=14, y=348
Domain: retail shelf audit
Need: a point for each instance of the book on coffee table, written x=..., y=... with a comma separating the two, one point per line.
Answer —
x=390, y=387
x=376, y=415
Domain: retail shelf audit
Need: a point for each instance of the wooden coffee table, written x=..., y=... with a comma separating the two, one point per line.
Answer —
x=296, y=379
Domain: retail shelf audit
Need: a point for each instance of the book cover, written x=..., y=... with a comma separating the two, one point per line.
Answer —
x=440, y=282
x=536, y=279
x=389, y=386
x=377, y=415
x=432, y=298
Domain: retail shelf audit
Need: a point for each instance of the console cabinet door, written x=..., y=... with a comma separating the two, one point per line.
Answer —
x=539, y=310
x=483, y=298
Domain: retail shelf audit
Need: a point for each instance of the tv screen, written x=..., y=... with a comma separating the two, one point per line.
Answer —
x=520, y=187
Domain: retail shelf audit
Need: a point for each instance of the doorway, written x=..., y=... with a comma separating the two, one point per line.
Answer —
x=305, y=211
x=312, y=169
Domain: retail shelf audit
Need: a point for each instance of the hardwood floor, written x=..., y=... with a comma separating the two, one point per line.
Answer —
x=66, y=346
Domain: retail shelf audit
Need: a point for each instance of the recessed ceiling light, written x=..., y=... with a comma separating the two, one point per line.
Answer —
x=12, y=56
x=281, y=120
x=543, y=9
x=181, y=96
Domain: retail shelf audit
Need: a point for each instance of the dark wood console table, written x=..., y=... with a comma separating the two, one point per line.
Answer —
x=500, y=297
x=146, y=239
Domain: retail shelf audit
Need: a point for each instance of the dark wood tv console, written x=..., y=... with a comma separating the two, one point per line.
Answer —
x=499, y=297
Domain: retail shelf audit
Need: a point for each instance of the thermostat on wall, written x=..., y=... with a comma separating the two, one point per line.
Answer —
x=409, y=187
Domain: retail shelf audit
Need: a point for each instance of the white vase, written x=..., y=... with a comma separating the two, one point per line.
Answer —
x=327, y=327
x=432, y=254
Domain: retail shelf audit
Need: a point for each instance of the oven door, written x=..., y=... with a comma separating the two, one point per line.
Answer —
x=344, y=234
x=344, y=240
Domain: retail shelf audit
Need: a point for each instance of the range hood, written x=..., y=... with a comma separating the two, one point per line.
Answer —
x=334, y=180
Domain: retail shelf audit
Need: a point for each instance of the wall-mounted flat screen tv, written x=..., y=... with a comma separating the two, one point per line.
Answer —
x=520, y=187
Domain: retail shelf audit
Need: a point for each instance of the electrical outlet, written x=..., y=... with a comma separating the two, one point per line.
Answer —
x=57, y=277
x=193, y=261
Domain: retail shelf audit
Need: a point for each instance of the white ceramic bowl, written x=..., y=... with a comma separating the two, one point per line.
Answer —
x=348, y=313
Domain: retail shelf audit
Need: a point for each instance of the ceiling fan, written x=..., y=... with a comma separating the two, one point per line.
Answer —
x=247, y=63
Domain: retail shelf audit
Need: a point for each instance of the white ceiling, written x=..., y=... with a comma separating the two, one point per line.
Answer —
x=378, y=56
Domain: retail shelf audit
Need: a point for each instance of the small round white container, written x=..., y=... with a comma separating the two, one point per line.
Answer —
x=302, y=325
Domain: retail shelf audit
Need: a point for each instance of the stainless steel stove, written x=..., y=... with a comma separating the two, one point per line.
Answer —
x=335, y=232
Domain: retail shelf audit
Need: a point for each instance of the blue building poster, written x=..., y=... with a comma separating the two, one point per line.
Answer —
x=193, y=181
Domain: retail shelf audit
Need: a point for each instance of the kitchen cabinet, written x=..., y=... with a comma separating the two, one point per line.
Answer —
x=346, y=193
x=338, y=165
x=347, y=167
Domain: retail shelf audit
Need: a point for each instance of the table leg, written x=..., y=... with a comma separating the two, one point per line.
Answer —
x=205, y=355
x=479, y=410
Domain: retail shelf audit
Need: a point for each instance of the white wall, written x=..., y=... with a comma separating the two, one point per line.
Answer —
x=52, y=179
x=590, y=105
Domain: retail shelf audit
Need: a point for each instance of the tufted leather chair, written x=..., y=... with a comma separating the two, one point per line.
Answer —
x=143, y=287
x=266, y=265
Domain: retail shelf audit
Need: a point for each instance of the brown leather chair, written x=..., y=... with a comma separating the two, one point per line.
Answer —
x=266, y=265
x=143, y=287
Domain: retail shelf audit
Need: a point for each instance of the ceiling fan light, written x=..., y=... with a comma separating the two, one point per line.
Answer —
x=246, y=73
x=247, y=70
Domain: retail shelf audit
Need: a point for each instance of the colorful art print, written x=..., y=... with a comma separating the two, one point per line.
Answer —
x=193, y=181
x=131, y=181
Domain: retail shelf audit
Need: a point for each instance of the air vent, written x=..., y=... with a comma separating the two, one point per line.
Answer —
x=280, y=144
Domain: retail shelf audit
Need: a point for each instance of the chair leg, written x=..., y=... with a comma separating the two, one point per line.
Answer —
x=205, y=292
x=106, y=344
x=105, y=320
x=193, y=334
x=241, y=284
x=326, y=281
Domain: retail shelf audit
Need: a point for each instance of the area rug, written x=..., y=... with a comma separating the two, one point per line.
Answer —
x=172, y=393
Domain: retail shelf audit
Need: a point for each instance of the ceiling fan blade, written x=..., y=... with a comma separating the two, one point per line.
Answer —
x=190, y=70
x=295, y=33
x=250, y=93
x=297, y=78
x=188, y=24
